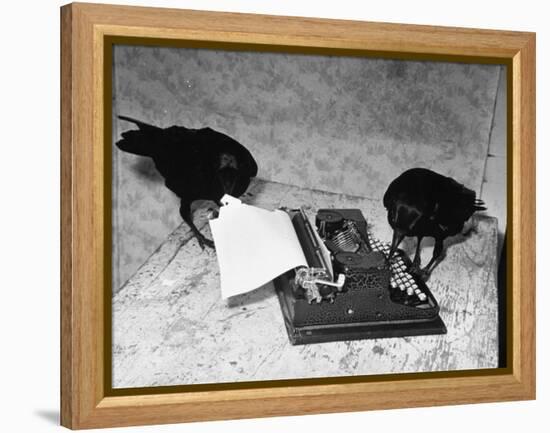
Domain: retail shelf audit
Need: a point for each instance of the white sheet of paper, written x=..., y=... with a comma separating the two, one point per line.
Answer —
x=253, y=246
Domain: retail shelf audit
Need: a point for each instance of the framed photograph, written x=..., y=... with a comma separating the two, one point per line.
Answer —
x=266, y=216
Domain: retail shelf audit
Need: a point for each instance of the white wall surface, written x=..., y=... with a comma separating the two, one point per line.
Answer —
x=29, y=222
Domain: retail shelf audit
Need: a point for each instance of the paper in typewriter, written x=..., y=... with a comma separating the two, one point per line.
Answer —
x=253, y=246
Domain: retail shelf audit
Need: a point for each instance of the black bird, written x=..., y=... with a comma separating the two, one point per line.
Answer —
x=197, y=164
x=423, y=203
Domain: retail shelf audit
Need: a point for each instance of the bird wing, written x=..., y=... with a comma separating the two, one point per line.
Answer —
x=194, y=162
x=455, y=204
x=222, y=143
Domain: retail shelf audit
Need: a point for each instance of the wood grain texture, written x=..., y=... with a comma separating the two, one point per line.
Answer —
x=85, y=402
x=525, y=225
x=67, y=385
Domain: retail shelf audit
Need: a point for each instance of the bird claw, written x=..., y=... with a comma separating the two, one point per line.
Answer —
x=203, y=242
x=414, y=269
x=417, y=271
x=423, y=274
x=212, y=213
x=473, y=230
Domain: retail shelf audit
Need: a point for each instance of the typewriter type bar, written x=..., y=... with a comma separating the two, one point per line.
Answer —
x=376, y=300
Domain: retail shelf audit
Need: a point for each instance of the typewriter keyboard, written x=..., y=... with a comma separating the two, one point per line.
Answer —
x=404, y=287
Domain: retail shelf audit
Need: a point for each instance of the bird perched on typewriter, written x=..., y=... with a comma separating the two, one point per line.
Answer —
x=422, y=203
x=197, y=164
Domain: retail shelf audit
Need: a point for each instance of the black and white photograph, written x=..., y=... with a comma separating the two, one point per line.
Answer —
x=280, y=216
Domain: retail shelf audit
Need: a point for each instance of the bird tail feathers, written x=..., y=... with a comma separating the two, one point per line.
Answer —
x=140, y=141
x=139, y=123
x=479, y=205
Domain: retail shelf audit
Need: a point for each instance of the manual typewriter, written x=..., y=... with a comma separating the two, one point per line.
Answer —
x=349, y=290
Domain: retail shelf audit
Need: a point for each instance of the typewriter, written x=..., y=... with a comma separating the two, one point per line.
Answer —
x=349, y=290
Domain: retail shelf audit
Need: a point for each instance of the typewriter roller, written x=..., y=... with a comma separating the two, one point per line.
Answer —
x=350, y=290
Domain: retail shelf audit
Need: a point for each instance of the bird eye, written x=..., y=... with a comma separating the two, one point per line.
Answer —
x=228, y=160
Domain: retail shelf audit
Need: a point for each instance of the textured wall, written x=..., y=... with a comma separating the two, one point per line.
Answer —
x=331, y=123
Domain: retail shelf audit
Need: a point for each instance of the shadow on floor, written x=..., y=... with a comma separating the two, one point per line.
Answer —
x=256, y=296
x=50, y=415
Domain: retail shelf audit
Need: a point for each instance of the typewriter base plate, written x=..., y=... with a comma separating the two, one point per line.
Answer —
x=361, y=331
x=356, y=331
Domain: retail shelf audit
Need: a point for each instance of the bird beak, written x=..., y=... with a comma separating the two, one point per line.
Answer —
x=227, y=179
x=396, y=240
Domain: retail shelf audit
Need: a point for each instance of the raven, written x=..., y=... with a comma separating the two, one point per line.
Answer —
x=197, y=164
x=423, y=203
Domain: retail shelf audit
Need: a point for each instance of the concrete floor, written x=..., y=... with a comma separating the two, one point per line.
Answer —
x=171, y=327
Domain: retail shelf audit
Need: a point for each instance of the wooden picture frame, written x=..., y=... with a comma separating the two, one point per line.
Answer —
x=86, y=400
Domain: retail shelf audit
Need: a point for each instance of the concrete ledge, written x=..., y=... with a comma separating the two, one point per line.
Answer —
x=171, y=327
